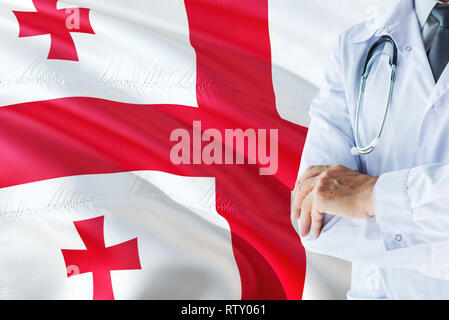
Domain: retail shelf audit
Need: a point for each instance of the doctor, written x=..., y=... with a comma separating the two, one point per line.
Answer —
x=386, y=211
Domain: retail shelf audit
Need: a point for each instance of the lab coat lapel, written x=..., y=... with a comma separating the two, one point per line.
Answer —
x=441, y=88
x=401, y=23
x=408, y=38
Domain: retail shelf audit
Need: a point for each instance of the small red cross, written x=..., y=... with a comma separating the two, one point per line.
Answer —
x=98, y=258
x=56, y=22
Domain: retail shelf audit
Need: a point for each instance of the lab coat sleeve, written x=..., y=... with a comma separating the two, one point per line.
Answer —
x=403, y=233
x=329, y=141
x=412, y=210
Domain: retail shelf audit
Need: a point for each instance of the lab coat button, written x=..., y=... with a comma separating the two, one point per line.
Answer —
x=408, y=48
x=398, y=237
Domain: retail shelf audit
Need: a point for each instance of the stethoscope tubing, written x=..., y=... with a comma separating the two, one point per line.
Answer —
x=358, y=149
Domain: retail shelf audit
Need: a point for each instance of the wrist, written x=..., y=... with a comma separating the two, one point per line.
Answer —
x=369, y=200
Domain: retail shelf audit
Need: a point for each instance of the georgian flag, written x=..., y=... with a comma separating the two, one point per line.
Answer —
x=92, y=206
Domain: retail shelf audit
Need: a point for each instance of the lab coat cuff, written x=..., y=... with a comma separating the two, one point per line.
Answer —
x=392, y=210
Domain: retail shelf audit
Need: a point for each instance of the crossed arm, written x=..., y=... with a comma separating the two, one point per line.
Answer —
x=334, y=190
x=399, y=219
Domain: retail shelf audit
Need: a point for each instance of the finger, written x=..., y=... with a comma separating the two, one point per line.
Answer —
x=312, y=171
x=317, y=221
x=305, y=219
x=301, y=194
x=297, y=184
x=305, y=188
x=296, y=210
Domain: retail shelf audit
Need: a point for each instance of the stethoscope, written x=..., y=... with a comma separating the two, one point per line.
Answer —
x=370, y=59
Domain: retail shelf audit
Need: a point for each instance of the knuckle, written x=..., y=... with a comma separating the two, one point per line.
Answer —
x=309, y=169
x=297, y=203
x=323, y=181
x=325, y=173
x=296, y=193
x=297, y=183
x=331, y=173
x=304, y=207
x=302, y=185
x=320, y=194
x=317, y=216
x=303, y=189
x=298, y=196
x=306, y=173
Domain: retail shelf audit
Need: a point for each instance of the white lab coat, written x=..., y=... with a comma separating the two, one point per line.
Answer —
x=402, y=252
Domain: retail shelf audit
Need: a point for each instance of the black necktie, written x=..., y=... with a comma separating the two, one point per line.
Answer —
x=439, y=49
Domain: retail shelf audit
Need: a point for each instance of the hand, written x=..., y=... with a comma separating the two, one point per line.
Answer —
x=334, y=190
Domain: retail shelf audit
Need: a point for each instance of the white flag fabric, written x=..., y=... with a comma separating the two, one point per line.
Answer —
x=183, y=248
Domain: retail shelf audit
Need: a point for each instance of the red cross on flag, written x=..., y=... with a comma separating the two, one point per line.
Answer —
x=58, y=23
x=143, y=153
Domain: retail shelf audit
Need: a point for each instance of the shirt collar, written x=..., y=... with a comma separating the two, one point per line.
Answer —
x=383, y=24
x=423, y=9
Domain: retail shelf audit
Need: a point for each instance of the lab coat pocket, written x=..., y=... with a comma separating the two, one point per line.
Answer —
x=366, y=283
